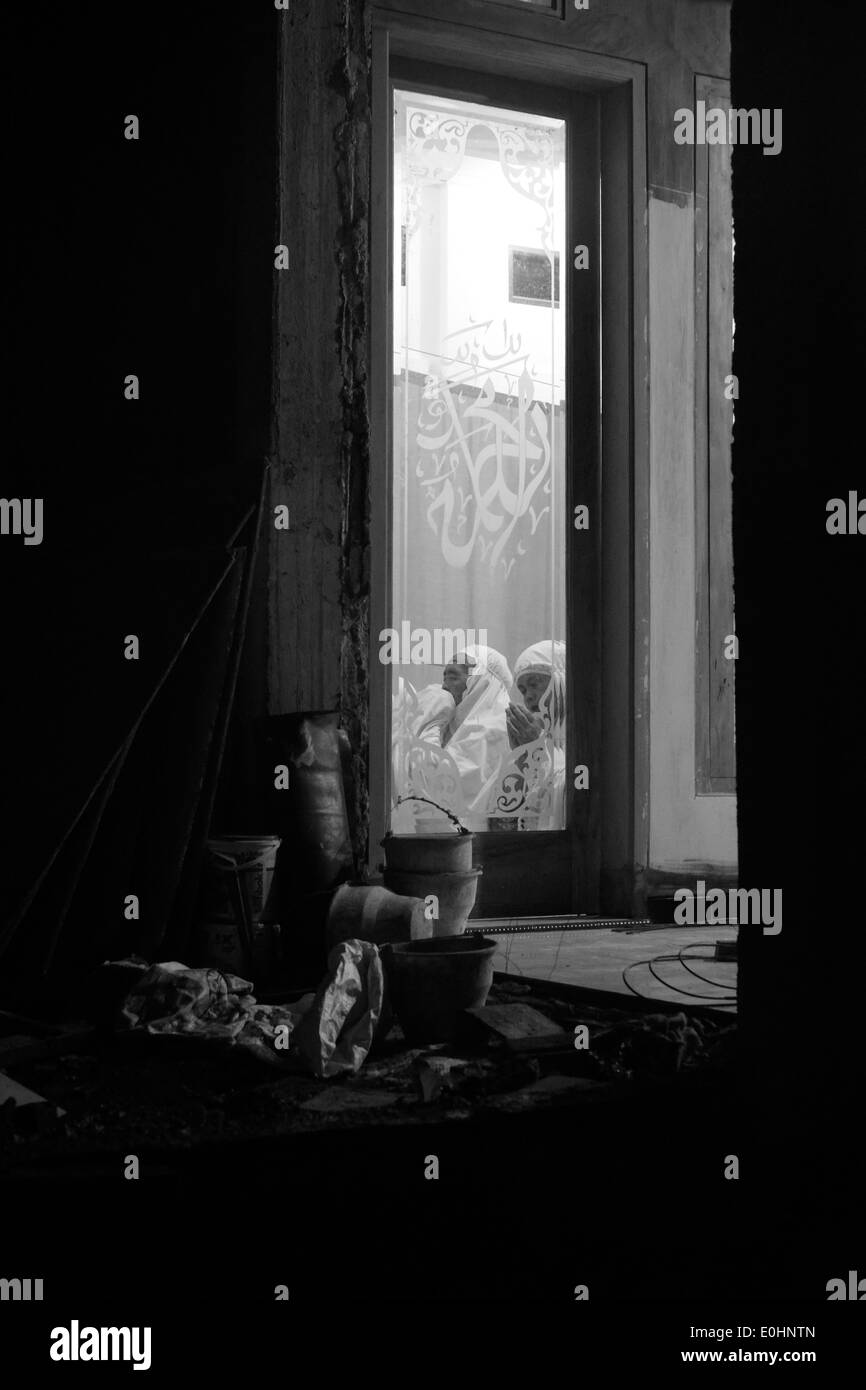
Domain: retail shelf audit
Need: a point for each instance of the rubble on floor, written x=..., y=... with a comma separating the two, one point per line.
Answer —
x=145, y=1092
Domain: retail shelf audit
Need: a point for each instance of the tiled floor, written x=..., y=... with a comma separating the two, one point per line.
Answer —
x=597, y=959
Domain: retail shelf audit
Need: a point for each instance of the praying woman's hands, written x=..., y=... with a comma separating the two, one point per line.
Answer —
x=522, y=726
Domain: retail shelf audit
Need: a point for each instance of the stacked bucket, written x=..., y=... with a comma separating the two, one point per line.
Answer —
x=438, y=869
x=239, y=932
x=431, y=983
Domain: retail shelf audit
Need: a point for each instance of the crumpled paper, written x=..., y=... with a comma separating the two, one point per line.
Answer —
x=173, y=998
x=328, y=1032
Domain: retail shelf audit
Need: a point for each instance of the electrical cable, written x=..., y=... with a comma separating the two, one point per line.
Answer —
x=705, y=979
x=511, y=968
x=556, y=957
x=691, y=993
x=656, y=960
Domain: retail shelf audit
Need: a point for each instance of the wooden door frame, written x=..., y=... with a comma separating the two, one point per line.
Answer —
x=619, y=787
x=715, y=755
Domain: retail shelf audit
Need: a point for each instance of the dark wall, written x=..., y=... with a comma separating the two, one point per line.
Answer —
x=155, y=258
x=319, y=574
x=800, y=620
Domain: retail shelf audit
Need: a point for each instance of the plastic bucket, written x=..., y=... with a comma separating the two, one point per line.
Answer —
x=375, y=914
x=240, y=865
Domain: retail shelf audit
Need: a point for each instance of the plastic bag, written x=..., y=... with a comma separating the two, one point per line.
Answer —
x=337, y=1030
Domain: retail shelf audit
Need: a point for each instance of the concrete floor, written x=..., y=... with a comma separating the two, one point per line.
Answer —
x=596, y=959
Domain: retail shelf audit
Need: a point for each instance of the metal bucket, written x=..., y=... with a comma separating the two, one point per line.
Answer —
x=429, y=854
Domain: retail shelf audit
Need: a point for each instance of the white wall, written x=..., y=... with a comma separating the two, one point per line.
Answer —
x=468, y=223
x=686, y=830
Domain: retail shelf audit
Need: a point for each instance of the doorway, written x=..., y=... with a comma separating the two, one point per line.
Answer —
x=488, y=497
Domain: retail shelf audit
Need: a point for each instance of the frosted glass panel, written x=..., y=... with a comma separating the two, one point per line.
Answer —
x=478, y=543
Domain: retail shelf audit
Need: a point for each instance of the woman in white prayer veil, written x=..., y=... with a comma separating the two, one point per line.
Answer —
x=475, y=736
x=539, y=675
x=417, y=717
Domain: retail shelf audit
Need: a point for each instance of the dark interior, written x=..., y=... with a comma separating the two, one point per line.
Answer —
x=156, y=257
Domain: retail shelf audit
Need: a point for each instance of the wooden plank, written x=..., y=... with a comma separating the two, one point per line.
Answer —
x=640, y=461
x=624, y=587
x=511, y=1022
x=607, y=999
x=305, y=633
x=381, y=438
x=720, y=303
x=584, y=548
x=714, y=617
x=636, y=31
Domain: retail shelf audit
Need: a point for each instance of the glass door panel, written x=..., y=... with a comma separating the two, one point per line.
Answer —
x=476, y=646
